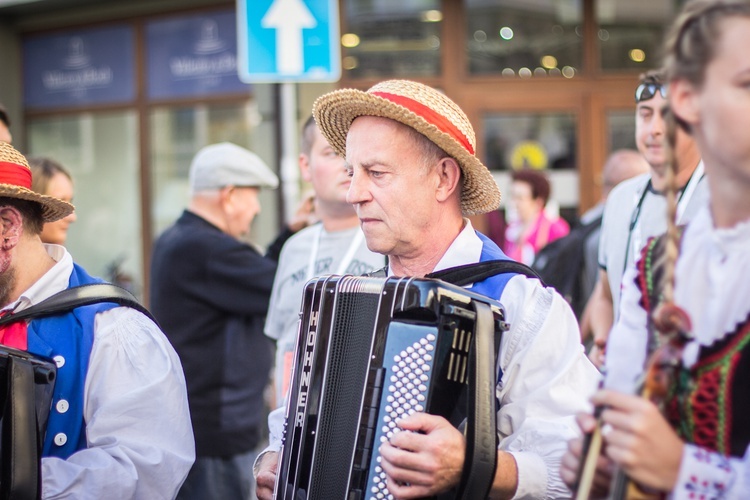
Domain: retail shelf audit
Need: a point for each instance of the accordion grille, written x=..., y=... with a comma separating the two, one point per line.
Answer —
x=349, y=350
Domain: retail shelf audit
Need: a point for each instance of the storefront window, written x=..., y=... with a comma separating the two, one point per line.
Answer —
x=621, y=127
x=101, y=152
x=543, y=141
x=630, y=33
x=530, y=140
x=391, y=38
x=526, y=39
x=179, y=132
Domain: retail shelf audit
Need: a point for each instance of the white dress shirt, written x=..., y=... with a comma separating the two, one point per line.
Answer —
x=546, y=380
x=139, y=437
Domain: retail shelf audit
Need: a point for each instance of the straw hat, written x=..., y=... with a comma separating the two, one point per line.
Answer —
x=15, y=182
x=427, y=111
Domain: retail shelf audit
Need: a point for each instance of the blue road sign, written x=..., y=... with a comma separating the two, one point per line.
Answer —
x=288, y=40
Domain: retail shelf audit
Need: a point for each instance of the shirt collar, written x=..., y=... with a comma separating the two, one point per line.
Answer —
x=53, y=281
x=465, y=249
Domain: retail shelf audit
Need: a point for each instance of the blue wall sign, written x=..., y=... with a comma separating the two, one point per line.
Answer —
x=288, y=40
x=79, y=68
x=193, y=55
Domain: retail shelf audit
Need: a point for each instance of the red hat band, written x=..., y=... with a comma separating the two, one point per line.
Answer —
x=16, y=175
x=442, y=123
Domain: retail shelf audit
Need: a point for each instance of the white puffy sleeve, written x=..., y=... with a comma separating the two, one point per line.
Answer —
x=546, y=379
x=139, y=436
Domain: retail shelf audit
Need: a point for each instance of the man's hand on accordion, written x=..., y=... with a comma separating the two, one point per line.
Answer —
x=266, y=477
x=427, y=460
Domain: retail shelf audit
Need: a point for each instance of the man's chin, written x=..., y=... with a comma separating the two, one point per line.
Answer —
x=7, y=285
x=375, y=241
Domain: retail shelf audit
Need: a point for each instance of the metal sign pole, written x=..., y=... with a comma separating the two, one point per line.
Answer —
x=289, y=166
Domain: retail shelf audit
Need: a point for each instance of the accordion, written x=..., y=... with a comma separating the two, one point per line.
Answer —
x=371, y=351
x=27, y=382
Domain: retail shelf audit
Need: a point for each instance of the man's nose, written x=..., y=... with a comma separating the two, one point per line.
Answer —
x=658, y=127
x=357, y=192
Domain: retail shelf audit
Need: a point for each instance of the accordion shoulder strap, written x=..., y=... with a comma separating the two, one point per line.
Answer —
x=480, y=271
x=79, y=296
x=481, y=427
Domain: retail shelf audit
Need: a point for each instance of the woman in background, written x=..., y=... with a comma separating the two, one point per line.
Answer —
x=531, y=229
x=52, y=179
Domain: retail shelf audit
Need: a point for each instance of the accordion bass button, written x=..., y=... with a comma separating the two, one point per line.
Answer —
x=60, y=439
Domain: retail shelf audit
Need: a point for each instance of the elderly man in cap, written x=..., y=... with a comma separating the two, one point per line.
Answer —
x=410, y=152
x=210, y=292
x=119, y=426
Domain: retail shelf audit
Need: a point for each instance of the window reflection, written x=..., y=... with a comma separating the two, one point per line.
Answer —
x=621, y=127
x=630, y=33
x=101, y=152
x=179, y=132
x=526, y=39
x=530, y=140
x=391, y=38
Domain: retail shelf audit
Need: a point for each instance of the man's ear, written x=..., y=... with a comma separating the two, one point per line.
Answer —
x=12, y=226
x=225, y=197
x=304, y=167
x=449, y=176
x=683, y=99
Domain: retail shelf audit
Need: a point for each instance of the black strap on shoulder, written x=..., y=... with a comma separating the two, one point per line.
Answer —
x=480, y=271
x=480, y=462
x=78, y=296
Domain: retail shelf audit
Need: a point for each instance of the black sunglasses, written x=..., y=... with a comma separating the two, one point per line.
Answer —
x=646, y=91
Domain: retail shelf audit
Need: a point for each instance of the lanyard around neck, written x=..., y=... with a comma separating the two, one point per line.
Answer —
x=346, y=259
x=684, y=199
x=634, y=226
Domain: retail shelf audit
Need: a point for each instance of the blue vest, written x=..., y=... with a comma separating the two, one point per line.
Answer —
x=67, y=339
x=493, y=286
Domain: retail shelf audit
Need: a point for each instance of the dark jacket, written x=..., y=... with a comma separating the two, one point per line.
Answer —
x=210, y=294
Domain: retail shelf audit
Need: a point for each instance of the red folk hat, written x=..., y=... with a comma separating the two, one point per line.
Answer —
x=15, y=182
x=427, y=111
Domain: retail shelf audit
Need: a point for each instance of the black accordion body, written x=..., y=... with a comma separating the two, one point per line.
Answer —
x=27, y=382
x=373, y=350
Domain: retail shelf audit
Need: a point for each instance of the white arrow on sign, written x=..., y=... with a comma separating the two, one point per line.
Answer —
x=288, y=18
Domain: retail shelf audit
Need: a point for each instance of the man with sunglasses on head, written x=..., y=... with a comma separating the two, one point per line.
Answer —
x=635, y=208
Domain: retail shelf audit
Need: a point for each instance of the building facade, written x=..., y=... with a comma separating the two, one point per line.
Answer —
x=124, y=93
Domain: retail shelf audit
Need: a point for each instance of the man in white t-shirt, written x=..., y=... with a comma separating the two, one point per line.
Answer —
x=335, y=245
x=635, y=209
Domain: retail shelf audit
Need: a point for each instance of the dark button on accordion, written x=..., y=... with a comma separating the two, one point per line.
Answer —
x=371, y=351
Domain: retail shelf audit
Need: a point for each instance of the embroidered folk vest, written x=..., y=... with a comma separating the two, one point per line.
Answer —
x=709, y=403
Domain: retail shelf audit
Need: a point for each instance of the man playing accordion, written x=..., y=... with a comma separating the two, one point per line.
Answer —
x=415, y=177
